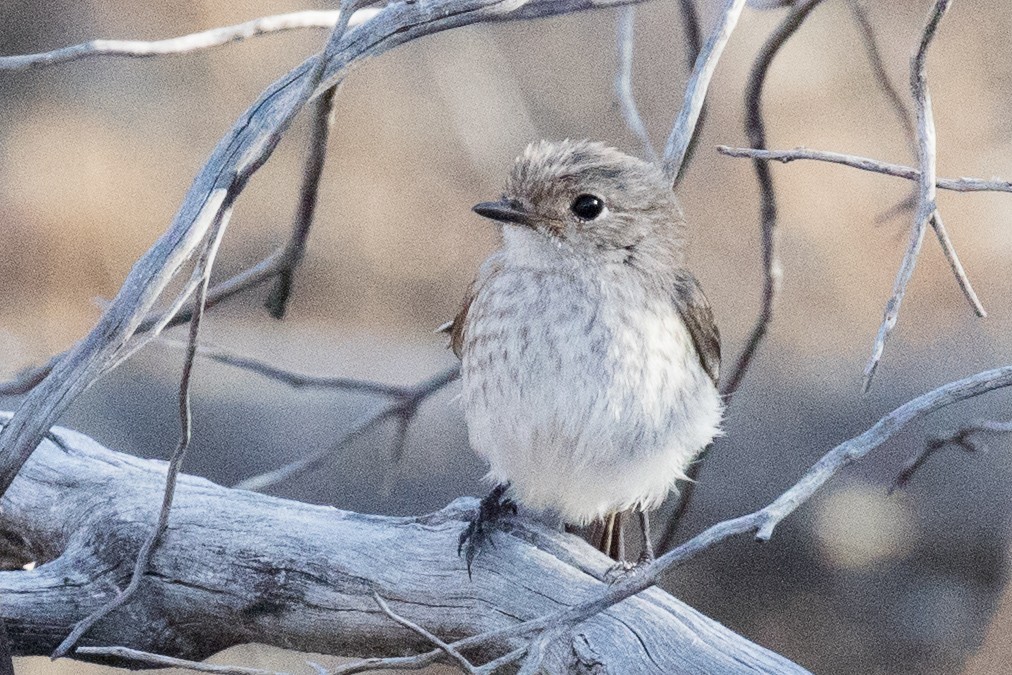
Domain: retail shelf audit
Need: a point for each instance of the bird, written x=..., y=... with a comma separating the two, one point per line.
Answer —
x=589, y=354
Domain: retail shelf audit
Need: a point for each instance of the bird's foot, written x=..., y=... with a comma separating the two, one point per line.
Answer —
x=623, y=568
x=479, y=531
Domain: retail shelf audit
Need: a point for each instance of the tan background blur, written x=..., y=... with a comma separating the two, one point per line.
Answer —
x=95, y=157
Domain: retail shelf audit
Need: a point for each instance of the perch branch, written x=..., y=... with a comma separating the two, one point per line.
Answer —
x=238, y=567
x=695, y=92
x=961, y=438
x=185, y=44
x=865, y=164
x=926, y=186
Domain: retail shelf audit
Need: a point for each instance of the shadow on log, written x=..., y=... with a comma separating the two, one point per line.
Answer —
x=238, y=567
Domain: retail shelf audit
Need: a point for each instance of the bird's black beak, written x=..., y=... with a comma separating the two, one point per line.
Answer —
x=505, y=211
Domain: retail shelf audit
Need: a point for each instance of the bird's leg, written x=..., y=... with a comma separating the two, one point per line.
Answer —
x=493, y=507
x=623, y=568
x=647, y=554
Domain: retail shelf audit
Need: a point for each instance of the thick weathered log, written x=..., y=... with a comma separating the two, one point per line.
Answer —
x=238, y=567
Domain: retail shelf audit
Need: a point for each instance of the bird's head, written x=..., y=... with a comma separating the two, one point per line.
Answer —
x=585, y=200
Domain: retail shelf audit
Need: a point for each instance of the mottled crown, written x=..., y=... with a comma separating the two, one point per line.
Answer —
x=548, y=170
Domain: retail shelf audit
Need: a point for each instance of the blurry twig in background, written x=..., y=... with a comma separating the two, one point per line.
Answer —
x=755, y=129
x=291, y=378
x=161, y=661
x=963, y=438
x=926, y=207
x=323, y=120
x=873, y=165
x=623, y=81
x=695, y=91
x=896, y=102
x=403, y=403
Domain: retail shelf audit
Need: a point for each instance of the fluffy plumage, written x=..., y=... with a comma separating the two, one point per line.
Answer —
x=589, y=354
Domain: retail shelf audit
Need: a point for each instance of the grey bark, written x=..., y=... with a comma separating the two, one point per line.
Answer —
x=238, y=567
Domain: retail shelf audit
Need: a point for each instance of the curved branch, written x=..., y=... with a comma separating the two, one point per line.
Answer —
x=243, y=150
x=237, y=567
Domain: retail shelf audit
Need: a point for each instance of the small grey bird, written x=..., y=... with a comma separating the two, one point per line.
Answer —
x=589, y=353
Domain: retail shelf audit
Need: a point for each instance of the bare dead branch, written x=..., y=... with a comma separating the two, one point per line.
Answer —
x=957, y=267
x=695, y=91
x=623, y=82
x=926, y=182
x=755, y=128
x=403, y=405
x=239, y=154
x=127, y=655
x=866, y=164
x=186, y=44
x=239, y=567
x=323, y=120
x=962, y=438
x=454, y=655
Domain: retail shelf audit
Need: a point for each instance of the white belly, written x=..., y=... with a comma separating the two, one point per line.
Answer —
x=584, y=399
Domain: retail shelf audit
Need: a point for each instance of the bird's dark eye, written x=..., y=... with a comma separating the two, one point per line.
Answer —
x=587, y=207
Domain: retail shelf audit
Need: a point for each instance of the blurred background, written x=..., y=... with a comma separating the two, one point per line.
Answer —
x=95, y=157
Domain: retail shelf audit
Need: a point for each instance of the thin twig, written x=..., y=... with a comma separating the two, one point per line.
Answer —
x=291, y=378
x=963, y=438
x=186, y=44
x=452, y=653
x=623, y=81
x=927, y=190
x=403, y=405
x=143, y=561
x=878, y=69
x=161, y=661
x=695, y=91
x=323, y=121
x=504, y=660
x=866, y=164
x=755, y=128
x=957, y=267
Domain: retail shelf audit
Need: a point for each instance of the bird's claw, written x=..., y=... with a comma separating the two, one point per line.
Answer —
x=479, y=531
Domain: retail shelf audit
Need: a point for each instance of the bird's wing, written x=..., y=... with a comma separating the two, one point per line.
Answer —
x=490, y=268
x=698, y=318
